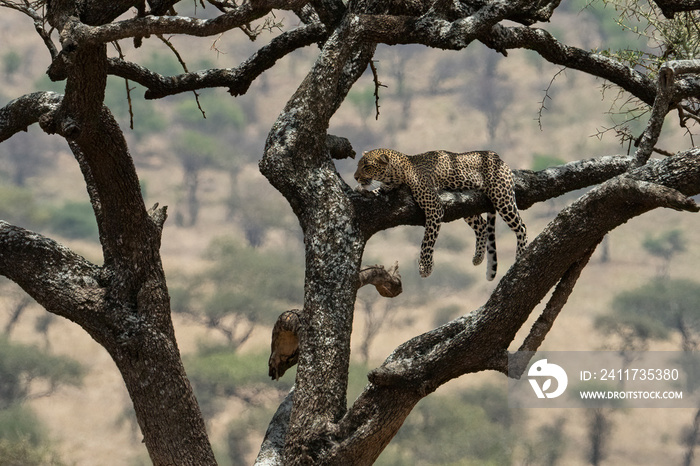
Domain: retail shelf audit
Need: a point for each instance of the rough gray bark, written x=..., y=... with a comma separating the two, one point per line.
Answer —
x=123, y=303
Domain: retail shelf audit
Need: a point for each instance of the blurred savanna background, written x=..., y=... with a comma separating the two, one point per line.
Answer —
x=233, y=250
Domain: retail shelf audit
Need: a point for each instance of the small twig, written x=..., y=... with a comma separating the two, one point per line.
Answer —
x=184, y=67
x=39, y=24
x=377, y=85
x=174, y=50
x=543, y=107
x=126, y=84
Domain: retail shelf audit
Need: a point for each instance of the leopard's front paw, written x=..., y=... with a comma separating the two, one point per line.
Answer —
x=479, y=255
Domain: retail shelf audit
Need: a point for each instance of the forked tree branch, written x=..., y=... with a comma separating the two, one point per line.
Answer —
x=515, y=364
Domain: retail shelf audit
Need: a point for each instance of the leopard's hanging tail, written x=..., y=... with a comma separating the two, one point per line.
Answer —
x=491, y=255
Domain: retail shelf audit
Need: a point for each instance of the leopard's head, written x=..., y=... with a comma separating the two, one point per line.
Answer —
x=372, y=167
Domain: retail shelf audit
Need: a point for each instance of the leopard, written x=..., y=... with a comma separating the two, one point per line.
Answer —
x=429, y=173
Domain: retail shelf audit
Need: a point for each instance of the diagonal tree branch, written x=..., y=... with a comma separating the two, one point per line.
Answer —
x=502, y=38
x=515, y=364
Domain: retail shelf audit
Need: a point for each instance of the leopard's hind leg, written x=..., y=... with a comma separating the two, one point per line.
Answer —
x=503, y=199
x=478, y=224
x=509, y=213
x=485, y=231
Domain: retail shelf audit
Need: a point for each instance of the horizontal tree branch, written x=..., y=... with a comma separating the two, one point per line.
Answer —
x=81, y=33
x=237, y=80
x=432, y=29
x=399, y=208
x=25, y=111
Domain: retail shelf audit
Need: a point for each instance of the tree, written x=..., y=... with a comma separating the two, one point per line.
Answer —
x=665, y=246
x=124, y=305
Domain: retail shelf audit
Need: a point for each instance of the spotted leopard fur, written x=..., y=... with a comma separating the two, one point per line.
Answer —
x=427, y=173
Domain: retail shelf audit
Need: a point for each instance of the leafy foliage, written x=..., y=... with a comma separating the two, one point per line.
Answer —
x=242, y=287
x=18, y=205
x=542, y=161
x=24, y=453
x=218, y=373
x=672, y=303
x=471, y=429
x=21, y=364
x=677, y=38
x=74, y=220
x=19, y=424
x=11, y=62
x=22, y=436
x=219, y=114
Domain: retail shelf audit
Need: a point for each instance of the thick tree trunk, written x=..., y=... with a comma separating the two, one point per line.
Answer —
x=124, y=304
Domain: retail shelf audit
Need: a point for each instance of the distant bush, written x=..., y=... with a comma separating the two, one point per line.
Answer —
x=19, y=424
x=11, y=62
x=221, y=114
x=23, y=438
x=21, y=364
x=23, y=453
x=75, y=220
x=670, y=302
x=218, y=373
x=455, y=430
x=542, y=161
x=17, y=206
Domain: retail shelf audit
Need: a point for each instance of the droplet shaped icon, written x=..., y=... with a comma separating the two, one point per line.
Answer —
x=552, y=371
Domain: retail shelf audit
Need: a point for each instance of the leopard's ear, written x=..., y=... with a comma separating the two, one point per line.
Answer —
x=384, y=158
